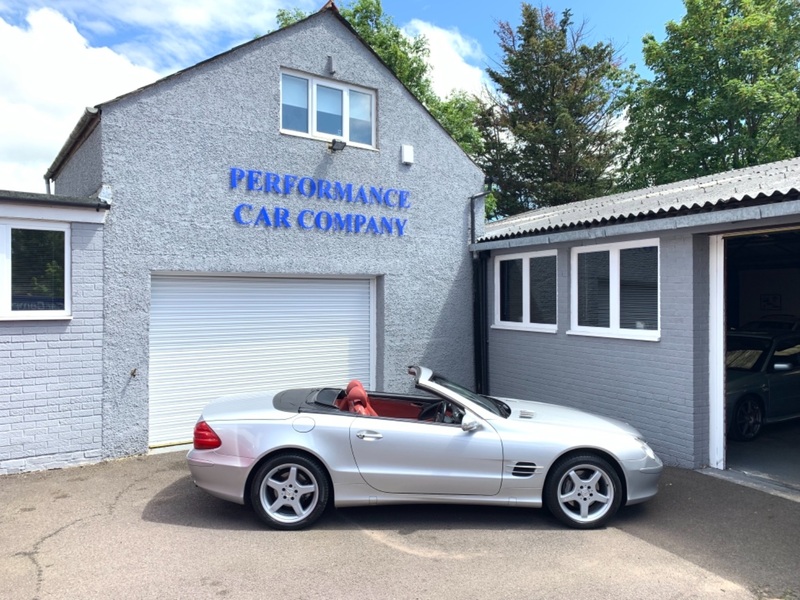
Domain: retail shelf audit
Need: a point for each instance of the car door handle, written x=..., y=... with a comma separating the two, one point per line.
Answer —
x=368, y=435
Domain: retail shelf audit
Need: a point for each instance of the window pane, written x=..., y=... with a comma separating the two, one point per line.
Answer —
x=360, y=117
x=511, y=290
x=593, y=290
x=294, y=107
x=543, y=289
x=329, y=110
x=37, y=269
x=638, y=288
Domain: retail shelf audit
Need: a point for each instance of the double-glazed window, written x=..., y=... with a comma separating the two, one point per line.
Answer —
x=526, y=291
x=327, y=109
x=34, y=270
x=615, y=290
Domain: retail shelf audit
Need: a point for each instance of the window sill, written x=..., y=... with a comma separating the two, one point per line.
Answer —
x=520, y=327
x=34, y=317
x=620, y=334
x=327, y=140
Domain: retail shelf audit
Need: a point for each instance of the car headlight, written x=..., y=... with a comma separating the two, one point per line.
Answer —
x=648, y=451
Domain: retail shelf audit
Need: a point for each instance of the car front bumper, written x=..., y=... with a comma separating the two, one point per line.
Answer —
x=643, y=478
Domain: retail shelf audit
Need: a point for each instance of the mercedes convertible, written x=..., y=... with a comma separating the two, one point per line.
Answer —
x=293, y=452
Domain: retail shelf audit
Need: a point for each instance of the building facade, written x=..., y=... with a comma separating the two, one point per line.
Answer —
x=620, y=305
x=283, y=214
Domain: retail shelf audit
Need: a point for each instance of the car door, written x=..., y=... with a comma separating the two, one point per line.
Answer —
x=784, y=385
x=401, y=456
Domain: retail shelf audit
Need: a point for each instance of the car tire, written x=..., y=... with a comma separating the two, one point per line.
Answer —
x=748, y=418
x=583, y=491
x=290, y=491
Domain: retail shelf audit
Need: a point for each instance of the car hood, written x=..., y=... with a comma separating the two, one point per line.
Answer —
x=530, y=411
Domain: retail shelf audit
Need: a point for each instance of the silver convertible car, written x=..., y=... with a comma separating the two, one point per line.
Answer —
x=292, y=452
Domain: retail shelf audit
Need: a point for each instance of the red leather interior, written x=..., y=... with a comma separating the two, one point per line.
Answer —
x=394, y=408
x=356, y=400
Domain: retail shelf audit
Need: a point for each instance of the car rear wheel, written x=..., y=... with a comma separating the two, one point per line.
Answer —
x=583, y=491
x=748, y=417
x=290, y=491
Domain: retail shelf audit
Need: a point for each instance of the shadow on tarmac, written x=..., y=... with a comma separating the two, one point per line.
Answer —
x=742, y=534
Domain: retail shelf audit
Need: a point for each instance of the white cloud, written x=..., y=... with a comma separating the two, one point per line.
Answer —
x=57, y=62
x=48, y=75
x=168, y=34
x=452, y=58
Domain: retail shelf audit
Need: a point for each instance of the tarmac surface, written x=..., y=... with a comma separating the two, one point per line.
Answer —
x=138, y=528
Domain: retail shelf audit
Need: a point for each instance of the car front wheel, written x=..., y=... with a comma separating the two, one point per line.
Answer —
x=748, y=417
x=583, y=491
x=290, y=491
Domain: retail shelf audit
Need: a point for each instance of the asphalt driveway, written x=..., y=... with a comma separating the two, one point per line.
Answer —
x=137, y=528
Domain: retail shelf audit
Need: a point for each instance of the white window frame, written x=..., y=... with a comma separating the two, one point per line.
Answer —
x=526, y=324
x=313, y=83
x=614, y=330
x=6, y=314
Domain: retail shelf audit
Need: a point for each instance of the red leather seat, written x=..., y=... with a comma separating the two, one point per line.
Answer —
x=358, y=402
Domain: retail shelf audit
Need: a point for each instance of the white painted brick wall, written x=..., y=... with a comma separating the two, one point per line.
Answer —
x=51, y=374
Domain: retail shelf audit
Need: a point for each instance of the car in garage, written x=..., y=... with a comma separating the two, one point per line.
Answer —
x=290, y=453
x=762, y=380
x=773, y=323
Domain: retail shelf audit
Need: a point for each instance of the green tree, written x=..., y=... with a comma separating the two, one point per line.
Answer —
x=407, y=57
x=550, y=133
x=724, y=93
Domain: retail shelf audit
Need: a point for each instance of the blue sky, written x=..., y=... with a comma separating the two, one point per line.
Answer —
x=59, y=56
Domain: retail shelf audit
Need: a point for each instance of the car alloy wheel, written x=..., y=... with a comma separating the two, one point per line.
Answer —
x=748, y=417
x=290, y=491
x=583, y=491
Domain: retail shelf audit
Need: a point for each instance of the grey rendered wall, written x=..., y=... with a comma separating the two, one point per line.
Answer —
x=652, y=385
x=50, y=374
x=82, y=174
x=167, y=153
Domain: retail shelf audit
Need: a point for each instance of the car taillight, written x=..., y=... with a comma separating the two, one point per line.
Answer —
x=205, y=438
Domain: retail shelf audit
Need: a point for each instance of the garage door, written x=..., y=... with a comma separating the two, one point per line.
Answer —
x=211, y=336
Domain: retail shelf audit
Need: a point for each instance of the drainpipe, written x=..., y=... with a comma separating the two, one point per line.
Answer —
x=479, y=306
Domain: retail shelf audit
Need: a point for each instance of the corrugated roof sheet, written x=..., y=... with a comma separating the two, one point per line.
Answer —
x=772, y=180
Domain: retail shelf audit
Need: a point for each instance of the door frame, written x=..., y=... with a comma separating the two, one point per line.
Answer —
x=716, y=352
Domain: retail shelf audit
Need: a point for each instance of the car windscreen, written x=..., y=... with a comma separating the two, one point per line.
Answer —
x=491, y=404
x=746, y=353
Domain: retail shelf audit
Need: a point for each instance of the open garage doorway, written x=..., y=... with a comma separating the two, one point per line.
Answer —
x=762, y=355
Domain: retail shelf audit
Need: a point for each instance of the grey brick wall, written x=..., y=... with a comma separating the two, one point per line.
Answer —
x=652, y=385
x=51, y=373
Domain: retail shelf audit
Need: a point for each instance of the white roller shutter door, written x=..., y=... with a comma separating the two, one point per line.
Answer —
x=211, y=336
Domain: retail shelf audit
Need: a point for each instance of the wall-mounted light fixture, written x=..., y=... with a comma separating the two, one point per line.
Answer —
x=337, y=145
x=407, y=154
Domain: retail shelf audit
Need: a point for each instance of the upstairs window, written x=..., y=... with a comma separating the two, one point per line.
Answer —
x=34, y=270
x=615, y=290
x=326, y=109
x=526, y=291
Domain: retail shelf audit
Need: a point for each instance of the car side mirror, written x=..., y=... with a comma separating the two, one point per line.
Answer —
x=470, y=425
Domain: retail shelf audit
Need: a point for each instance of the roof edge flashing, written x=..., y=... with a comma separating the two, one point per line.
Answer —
x=82, y=130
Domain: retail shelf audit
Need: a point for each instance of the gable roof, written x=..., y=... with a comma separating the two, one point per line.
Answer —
x=768, y=183
x=92, y=115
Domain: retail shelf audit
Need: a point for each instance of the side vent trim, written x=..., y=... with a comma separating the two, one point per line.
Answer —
x=524, y=469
